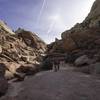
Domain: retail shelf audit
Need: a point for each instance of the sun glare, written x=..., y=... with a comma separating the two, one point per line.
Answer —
x=55, y=17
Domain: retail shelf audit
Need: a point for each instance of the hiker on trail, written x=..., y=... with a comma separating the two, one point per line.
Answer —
x=56, y=65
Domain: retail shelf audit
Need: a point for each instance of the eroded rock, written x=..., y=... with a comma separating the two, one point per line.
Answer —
x=82, y=60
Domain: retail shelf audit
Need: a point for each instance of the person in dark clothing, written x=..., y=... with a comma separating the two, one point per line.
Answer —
x=56, y=65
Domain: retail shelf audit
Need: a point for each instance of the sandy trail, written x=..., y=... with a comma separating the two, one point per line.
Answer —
x=65, y=84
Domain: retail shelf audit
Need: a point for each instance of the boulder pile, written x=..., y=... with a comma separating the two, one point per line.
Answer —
x=20, y=50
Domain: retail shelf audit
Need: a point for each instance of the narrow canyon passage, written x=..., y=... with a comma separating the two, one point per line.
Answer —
x=65, y=84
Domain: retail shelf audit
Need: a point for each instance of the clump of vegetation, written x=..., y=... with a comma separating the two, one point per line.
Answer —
x=47, y=64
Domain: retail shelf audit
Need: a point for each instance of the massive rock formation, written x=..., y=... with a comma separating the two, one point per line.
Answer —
x=22, y=47
x=83, y=38
x=93, y=18
x=32, y=40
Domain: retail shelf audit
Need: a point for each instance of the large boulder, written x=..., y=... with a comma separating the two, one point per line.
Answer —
x=9, y=75
x=11, y=68
x=82, y=60
x=19, y=71
x=90, y=69
x=8, y=69
x=28, y=69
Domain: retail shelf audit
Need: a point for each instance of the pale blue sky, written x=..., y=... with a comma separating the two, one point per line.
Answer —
x=48, y=18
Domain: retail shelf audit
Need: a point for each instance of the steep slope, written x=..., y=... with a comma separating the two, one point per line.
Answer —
x=19, y=44
x=83, y=38
x=4, y=27
x=93, y=18
x=20, y=48
x=31, y=39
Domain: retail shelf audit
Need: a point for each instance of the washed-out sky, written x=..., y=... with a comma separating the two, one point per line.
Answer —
x=47, y=18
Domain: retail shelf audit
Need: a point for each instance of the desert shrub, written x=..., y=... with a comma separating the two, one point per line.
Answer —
x=47, y=64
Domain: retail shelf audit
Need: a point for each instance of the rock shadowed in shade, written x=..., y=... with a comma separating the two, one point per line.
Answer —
x=3, y=81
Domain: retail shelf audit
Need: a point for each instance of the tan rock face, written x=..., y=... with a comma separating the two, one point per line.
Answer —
x=31, y=39
x=8, y=69
x=0, y=49
x=69, y=44
x=4, y=27
x=19, y=48
x=20, y=44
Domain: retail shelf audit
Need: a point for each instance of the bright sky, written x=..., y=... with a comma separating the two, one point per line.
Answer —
x=48, y=18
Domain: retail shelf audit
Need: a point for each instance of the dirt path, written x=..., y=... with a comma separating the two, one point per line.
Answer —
x=61, y=85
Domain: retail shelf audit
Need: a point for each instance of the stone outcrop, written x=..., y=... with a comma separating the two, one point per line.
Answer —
x=28, y=69
x=93, y=19
x=82, y=43
x=31, y=39
x=82, y=60
x=83, y=38
x=4, y=29
x=19, y=48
